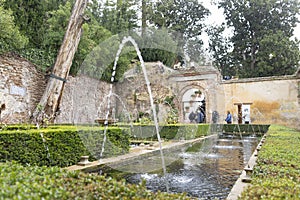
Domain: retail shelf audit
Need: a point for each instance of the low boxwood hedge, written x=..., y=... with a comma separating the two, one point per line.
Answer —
x=32, y=182
x=170, y=131
x=60, y=145
x=276, y=175
x=245, y=128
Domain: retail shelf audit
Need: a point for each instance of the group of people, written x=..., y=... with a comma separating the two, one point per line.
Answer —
x=197, y=116
x=246, y=117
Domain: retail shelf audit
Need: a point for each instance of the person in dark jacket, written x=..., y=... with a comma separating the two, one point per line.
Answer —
x=192, y=116
x=228, y=118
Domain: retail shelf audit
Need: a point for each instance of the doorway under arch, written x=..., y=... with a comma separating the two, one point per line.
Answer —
x=193, y=102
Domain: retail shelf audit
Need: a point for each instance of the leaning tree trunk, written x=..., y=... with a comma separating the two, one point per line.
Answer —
x=50, y=100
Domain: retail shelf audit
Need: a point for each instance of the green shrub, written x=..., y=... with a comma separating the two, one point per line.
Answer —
x=17, y=127
x=19, y=182
x=192, y=131
x=276, y=175
x=168, y=132
x=60, y=145
x=245, y=128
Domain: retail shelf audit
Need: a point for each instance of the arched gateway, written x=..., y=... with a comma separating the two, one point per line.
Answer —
x=197, y=92
x=193, y=105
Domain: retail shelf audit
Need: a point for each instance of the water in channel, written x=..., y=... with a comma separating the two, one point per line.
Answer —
x=206, y=170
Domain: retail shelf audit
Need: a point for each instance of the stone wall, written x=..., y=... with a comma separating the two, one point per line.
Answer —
x=133, y=96
x=84, y=100
x=21, y=86
x=272, y=99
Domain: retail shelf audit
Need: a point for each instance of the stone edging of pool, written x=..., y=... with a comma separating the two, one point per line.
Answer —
x=135, y=153
x=245, y=178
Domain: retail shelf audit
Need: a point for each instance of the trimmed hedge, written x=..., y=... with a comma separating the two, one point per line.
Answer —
x=19, y=182
x=276, y=175
x=245, y=128
x=65, y=144
x=170, y=131
x=10, y=127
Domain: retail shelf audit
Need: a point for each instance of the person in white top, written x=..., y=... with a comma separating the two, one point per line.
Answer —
x=246, y=116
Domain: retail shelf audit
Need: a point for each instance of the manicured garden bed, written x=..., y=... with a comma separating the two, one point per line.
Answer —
x=59, y=145
x=277, y=173
x=32, y=182
x=63, y=145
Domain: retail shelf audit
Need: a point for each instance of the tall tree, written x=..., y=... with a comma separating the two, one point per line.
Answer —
x=147, y=11
x=278, y=56
x=93, y=33
x=119, y=17
x=256, y=23
x=219, y=46
x=144, y=16
x=158, y=45
x=185, y=18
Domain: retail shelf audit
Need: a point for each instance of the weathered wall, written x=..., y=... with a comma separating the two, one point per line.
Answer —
x=133, y=92
x=21, y=86
x=166, y=82
x=272, y=99
x=83, y=100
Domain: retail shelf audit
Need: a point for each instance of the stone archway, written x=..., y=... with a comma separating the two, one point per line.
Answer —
x=193, y=100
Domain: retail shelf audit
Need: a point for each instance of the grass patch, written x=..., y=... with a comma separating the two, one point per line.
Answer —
x=276, y=175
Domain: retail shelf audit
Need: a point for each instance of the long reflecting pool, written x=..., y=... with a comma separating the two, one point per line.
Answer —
x=207, y=169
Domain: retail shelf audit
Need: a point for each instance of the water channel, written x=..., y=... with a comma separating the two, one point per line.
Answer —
x=207, y=169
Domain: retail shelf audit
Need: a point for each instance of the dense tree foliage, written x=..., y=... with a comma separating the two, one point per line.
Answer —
x=219, y=46
x=10, y=35
x=261, y=41
x=158, y=45
x=30, y=16
x=119, y=16
x=261, y=44
x=185, y=19
x=44, y=23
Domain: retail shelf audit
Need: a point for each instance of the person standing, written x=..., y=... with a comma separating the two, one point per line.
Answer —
x=192, y=116
x=200, y=117
x=246, y=116
x=228, y=118
x=215, y=117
